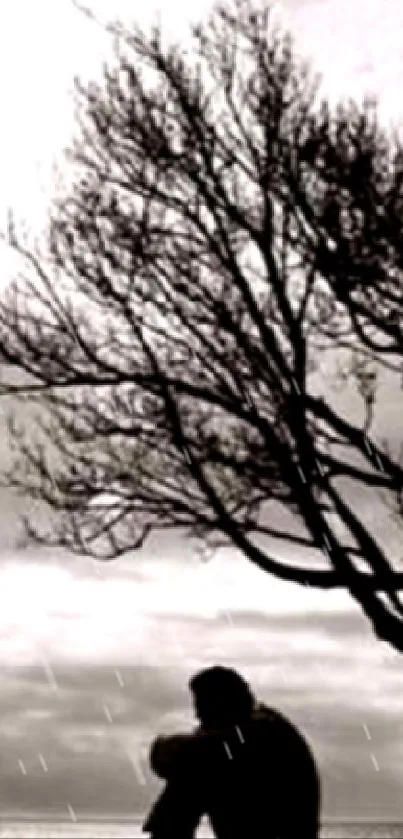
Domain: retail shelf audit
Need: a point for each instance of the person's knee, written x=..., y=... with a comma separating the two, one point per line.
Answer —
x=165, y=754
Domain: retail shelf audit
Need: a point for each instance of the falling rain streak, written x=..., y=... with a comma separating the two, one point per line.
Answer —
x=119, y=678
x=365, y=727
x=136, y=764
x=49, y=673
x=43, y=763
x=107, y=714
x=375, y=762
x=71, y=813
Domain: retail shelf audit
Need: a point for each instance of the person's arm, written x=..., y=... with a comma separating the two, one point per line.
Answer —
x=167, y=753
x=178, y=810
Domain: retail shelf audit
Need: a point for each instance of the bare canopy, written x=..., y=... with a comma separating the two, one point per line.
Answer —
x=225, y=233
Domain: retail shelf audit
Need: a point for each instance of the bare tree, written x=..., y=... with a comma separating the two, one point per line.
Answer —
x=225, y=235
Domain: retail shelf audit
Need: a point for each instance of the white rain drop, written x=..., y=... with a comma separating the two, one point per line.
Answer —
x=43, y=763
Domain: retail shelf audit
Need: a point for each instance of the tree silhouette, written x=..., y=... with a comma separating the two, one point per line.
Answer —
x=226, y=233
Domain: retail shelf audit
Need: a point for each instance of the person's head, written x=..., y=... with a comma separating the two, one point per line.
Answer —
x=221, y=697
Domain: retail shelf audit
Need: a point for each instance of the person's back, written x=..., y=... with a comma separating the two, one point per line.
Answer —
x=258, y=778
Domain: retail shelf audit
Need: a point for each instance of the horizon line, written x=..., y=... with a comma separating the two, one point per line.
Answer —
x=115, y=819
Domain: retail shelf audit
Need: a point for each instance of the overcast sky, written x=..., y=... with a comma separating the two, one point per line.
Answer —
x=95, y=659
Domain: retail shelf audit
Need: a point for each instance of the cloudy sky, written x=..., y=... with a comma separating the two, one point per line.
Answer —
x=95, y=659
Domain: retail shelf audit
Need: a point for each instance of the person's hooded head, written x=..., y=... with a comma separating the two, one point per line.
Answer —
x=221, y=697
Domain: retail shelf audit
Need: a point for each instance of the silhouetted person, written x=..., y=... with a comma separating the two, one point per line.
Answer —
x=246, y=766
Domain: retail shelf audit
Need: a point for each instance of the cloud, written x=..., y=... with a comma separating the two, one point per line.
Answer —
x=93, y=668
x=50, y=611
x=97, y=761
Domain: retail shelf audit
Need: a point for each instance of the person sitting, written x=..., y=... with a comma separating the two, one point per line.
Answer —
x=245, y=766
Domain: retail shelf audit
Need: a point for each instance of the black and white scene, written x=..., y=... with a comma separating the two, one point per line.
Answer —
x=201, y=396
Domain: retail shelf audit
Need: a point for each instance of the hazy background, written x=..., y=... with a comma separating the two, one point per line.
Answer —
x=94, y=659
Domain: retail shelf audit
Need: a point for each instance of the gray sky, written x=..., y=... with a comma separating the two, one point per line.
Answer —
x=95, y=659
